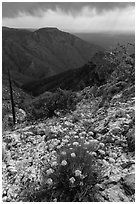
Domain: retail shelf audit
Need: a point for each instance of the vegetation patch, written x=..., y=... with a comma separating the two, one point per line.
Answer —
x=71, y=177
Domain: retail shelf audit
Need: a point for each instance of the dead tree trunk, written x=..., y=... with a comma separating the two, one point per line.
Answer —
x=11, y=98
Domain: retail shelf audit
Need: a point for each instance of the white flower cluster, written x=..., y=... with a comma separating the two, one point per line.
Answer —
x=49, y=171
x=64, y=163
x=73, y=155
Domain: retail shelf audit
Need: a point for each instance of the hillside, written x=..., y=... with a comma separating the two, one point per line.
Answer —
x=93, y=72
x=28, y=149
x=33, y=55
x=84, y=152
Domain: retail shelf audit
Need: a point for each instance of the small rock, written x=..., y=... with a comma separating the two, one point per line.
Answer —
x=94, y=154
x=12, y=170
x=99, y=186
x=111, y=160
x=127, y=164
x=113, y=155
x=129, y=182
x=81, y=134
x=4, y=199
x=41, y=132
x=94, y=144
x=4, y=193
x=8, y=139
x=120, y=113
x=105, y=162
x=115, y=178
x=116, y=131
x=101, y=145
x=101, y=152
x=90, y=133
x=116, y=194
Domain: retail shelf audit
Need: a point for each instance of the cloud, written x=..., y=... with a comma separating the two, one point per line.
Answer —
x=13, y=9
x=88, y=20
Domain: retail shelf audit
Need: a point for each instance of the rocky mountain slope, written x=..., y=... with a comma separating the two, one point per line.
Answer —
x=77, y=146
x=32, y=55
x=29, y=148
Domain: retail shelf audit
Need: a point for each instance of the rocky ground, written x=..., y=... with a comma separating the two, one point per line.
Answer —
x=27, y=148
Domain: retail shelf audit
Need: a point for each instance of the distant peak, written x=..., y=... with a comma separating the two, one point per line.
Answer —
x=48, y=29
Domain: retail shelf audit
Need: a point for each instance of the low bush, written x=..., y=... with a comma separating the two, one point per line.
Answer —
x=62, y=100
x=123, y=63
x=71, y=178
x=44, y=107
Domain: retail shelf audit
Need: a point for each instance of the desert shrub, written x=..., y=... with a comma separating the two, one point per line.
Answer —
x=71, y=178
x=43, y=107
x=123, y=64
x=62, y=100
x=35, y=109
x=81, y=85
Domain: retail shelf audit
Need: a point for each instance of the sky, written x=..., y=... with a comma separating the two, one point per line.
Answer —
x=84, y=17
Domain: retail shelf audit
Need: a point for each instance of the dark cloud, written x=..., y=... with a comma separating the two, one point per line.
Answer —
x=12, y=9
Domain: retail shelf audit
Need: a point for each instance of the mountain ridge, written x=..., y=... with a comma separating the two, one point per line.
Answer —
x=42, y=53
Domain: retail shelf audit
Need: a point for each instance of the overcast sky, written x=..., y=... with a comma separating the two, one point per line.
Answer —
x=71, y=16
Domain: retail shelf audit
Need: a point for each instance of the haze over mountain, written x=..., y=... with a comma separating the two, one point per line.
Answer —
x=32, y=55
x=108, y=40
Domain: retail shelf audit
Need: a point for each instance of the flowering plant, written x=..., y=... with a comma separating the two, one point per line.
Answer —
x=73, y=177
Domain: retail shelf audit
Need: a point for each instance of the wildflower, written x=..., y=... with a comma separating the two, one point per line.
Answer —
x=86, y=143
x=72, y=180
x=65, y=141
x=82, y=133
x=82, y=176
x=73, y=155
x=101, y=152
x=81, y=183
x=71, y=148
x=75, y=143
x=56, y=142
x=59, y=146
x=113, y=155
x=55, y=200
x=76, y=136
x=111, y=160
x=63, y=153
x=64, y=163
x=49, y=171
x=53, y=152
x=67, y=137
x=77, y=172
x=51, y=146
x=91, y=133
x=54, y=164
x=49, y=181
x=53, y=158
x=101, y=145
x=94, y=154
